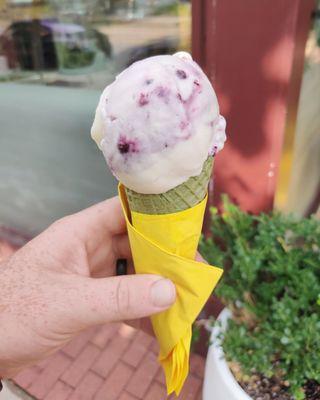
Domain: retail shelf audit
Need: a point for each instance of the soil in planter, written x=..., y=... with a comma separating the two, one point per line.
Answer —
x=261, y=388
x=312, y=390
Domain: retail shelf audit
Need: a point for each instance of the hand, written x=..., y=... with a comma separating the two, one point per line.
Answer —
x=62, y=282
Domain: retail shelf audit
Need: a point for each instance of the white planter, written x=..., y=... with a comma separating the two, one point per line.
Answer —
x=219, y=382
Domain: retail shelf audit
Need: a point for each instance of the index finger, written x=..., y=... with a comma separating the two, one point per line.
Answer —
x=104, y=216
x=96, y=223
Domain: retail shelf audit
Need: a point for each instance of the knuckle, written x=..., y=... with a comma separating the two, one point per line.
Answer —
x=123, y=298
x=60, y=223
x=65, y=224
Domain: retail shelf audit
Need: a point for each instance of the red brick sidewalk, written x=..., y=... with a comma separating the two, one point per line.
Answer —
x=110, y=362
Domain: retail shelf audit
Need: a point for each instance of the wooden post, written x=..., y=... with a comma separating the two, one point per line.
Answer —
x=253, y=52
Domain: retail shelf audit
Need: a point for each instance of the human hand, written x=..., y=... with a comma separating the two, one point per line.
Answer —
x=63, y=281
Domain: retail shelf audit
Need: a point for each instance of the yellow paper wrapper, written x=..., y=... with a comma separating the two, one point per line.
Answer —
x=166, y=245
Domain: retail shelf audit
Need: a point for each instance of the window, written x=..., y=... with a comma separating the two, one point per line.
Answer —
x=56, y=56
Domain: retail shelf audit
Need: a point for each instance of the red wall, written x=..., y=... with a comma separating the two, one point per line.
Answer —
x=253, y=52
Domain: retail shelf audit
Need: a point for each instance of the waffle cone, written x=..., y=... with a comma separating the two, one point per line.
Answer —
x=180, y=198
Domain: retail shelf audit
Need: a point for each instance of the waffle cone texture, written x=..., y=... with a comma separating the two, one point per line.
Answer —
x=182, y=197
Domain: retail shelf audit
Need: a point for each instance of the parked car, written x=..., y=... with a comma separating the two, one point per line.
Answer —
x=47, y=44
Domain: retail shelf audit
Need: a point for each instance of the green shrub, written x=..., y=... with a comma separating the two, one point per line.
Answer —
x=272, y=285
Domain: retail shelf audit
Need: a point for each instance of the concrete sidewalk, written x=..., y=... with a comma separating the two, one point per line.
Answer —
x=11, y=391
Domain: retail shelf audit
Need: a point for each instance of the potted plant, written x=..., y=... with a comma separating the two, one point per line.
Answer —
x=266, y=344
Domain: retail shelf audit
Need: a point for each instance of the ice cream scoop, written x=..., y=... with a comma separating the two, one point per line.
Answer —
x=158, y=122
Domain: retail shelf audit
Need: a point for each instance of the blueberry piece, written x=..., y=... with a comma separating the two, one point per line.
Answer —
x=143, y=99
x=123, y=147
x=183, y=125
x=181, y=74
x=161, y=91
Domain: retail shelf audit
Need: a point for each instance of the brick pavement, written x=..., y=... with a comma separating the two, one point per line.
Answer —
x=109, y=362
x=124, y=368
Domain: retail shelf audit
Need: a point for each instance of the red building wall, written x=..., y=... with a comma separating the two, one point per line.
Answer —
x=253, y=52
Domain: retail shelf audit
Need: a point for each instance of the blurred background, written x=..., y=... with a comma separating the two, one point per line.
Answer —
x=55, y=59
x=56, y=56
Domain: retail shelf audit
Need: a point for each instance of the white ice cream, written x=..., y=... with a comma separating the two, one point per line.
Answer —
x=158, y=122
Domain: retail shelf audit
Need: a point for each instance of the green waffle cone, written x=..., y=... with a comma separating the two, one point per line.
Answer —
x=180, y=198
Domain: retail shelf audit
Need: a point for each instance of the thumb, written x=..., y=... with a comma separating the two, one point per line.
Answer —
x=120, y=298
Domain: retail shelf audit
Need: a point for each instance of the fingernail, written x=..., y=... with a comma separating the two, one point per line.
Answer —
x=163, y=293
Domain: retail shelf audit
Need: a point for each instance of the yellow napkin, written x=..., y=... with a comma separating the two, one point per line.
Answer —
x=166, y=245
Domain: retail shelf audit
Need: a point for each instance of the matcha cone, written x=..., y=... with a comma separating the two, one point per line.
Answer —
x=180, y=198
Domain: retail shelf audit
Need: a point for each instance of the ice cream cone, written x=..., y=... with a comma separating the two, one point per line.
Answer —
x=173, y=221
x=154, y=139
x=180, y=198
x=166, y=244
